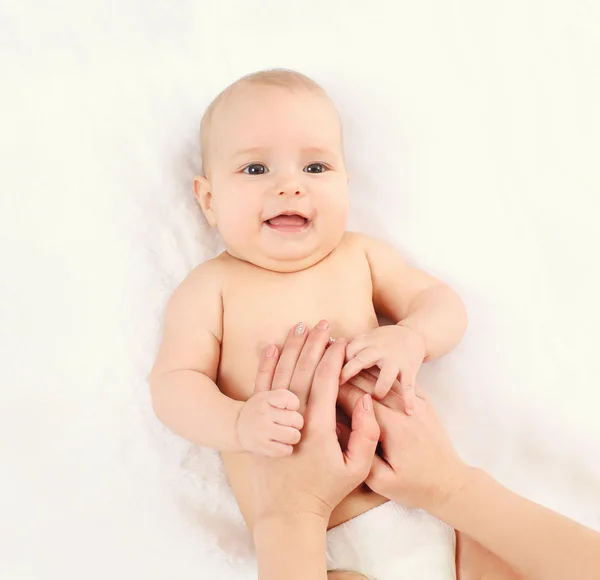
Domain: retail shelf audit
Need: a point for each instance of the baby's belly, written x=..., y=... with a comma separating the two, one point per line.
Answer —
x=239, y=363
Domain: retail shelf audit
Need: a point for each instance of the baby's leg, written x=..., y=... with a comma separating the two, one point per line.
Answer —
x=343, y=575
x=474, y=562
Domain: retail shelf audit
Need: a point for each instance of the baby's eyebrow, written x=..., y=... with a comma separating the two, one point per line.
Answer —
x=251, y=151
x=261, y=151
x=317, y=151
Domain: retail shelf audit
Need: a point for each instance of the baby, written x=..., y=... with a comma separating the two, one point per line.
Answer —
x=275, y=185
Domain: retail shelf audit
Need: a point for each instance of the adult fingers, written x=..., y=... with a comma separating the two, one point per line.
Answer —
x=387, y=376
x=266, y=369
x=312, y=352
x=365, y=381
x=364, y=436
x=366, y=358
x=343, y=433
x=348, y=397
x=380, y=476
x=289, y=356
x=324, y=390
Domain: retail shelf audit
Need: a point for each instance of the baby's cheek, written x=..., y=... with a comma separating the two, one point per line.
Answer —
x=239, y=221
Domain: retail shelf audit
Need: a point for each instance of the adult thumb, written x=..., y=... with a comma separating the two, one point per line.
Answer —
x=364, y=436
x=381, y=478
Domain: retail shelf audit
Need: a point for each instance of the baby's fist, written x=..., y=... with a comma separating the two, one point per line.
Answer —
x=269, y=423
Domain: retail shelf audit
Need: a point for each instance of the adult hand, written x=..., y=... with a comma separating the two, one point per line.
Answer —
x=317, y=475
x=418, y=466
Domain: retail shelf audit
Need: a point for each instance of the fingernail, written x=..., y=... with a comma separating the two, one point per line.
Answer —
x=409, y=411
x=300, y=328
x=367, y=403
x=323, y=325
x=270, y=352
x=331, y=340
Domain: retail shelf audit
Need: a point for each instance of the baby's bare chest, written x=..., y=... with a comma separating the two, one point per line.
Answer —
x=261, y=307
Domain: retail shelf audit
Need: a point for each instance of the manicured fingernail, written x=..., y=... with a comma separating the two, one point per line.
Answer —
x=367, y=403
x=331, y=339
x=270, y=352
x=300, y=328
x=323, y=325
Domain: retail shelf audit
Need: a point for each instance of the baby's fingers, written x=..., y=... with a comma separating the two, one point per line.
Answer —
x=277, y=449
x=356, y=345
x=363, y=360
x=288, y=418
x=283, y=399
x=285, y=435
x=407, y=389
x=385, y=380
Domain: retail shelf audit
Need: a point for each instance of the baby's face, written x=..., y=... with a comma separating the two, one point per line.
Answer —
x=278, y=188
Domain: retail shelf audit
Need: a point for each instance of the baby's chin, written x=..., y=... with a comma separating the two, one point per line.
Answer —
x=284, y=260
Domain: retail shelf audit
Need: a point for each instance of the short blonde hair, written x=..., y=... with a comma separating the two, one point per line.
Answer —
x=276, y=77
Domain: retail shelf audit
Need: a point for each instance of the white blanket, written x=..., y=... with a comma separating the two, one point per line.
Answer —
x=472, y=134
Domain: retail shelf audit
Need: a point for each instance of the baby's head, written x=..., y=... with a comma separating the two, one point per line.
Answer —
x=274, y=181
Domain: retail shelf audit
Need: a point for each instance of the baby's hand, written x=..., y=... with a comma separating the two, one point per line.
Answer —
x=269, y=423
x=398, y=351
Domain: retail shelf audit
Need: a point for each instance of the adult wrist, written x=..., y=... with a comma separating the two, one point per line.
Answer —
x=454, y=491
x=277, y=524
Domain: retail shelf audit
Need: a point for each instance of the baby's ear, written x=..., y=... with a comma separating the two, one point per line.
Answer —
x=204, y=197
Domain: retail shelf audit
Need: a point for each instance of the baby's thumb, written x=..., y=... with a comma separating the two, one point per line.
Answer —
x=364, y=436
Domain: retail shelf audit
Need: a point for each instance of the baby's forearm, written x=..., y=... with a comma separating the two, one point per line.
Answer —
x=439, y=316
x=536, y=542
x=192, y=406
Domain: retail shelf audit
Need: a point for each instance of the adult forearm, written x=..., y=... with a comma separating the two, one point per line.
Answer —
x=439, y=316
x=192, y=406
x=291, y=547
x=537, y=542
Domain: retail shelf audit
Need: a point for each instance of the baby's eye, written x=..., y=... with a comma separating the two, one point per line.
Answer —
x=315, y=168
x=255, y=169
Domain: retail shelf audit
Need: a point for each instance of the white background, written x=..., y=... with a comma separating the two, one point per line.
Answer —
x=473, y=138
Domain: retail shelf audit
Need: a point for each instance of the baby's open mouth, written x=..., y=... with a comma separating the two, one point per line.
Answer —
x=288, y=223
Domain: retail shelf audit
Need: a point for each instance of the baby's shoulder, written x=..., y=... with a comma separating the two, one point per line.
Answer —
x=206, y=278
x=355, y=243
x=352, y=241
x=378, y=254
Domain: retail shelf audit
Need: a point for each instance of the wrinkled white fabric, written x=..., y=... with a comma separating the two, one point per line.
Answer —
x=391, y=542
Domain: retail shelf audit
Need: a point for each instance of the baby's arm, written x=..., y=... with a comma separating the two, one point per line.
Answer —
x=429, y=320
x=409, y=297
x=184, y=394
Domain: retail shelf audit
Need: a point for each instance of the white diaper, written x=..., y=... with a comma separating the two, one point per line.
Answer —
x=390, y=542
